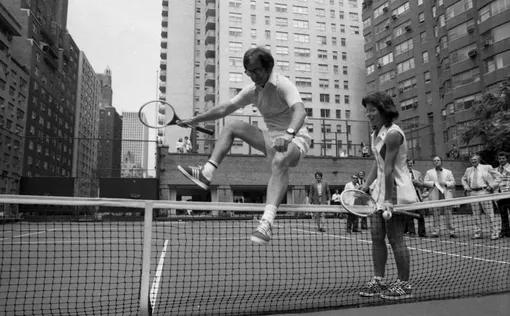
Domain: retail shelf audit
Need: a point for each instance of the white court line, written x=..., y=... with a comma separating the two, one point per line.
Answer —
x=157, y=278
x=36, y=233
x=417, y=249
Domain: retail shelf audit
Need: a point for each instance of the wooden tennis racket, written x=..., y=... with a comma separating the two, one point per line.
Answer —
x=159, y=114
x=362, y=204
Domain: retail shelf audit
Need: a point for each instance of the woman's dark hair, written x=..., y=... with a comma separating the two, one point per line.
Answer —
x=384, y=103
x=262, y=55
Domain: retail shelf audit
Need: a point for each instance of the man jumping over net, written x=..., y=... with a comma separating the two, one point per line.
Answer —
x=284, y=143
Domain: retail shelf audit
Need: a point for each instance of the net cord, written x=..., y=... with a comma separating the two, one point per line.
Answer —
x=237, y=207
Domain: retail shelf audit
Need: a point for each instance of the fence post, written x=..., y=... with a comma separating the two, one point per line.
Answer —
x=145, y=307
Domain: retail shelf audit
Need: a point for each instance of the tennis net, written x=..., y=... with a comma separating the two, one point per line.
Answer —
x=83, y=256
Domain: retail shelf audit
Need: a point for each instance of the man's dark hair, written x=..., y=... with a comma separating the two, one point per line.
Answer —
x=410, y=159
x=502, y=153
x=384, y=103
x=318, y=173
x=262, y=55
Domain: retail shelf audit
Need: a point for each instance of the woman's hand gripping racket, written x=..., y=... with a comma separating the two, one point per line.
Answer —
x=159, y=114
x=362, y=204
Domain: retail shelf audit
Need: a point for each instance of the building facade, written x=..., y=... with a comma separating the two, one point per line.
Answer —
x=51, y=57
x=135, y=143
x=86, y=129
x=110, y=143
x=317, y=44
x=436, y=58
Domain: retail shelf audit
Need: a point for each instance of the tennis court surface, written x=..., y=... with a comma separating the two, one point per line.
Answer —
x=54, y=263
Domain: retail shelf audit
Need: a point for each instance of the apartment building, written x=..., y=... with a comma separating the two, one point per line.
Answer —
x=316, y=43
x=436, y=58
x=135, y=144
x=110, y=146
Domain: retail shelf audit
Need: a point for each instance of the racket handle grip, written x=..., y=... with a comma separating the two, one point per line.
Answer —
x=204, y=130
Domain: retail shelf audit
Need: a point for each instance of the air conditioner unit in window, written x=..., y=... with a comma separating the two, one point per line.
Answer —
x=379, y=65
x=487, y=43
x=387, y=26
x=401, y=90
x=472, y=53
x=388, y=42
x=385, y=9
x=471, y=29
x=394, y=16
x=408, y=28
x=415, y=105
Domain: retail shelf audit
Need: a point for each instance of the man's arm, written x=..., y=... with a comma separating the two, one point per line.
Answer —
x=464, y=182
x=212, y=114
x=427, y=182
x=298, y=116
x=370, y=178
x=498, y=177
x=450, y=180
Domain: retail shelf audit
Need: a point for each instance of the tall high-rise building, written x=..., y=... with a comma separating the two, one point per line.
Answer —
x=317, y=44
x=436, y=58
x=86, y=129
x=51, y=58
x=105, y=80
x=110, y=147
x=135, y=143
x=14, y=80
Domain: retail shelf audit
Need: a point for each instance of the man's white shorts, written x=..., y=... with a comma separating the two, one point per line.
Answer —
x=302, y=140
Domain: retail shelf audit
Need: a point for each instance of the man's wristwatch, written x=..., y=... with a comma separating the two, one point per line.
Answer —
x=291, y=131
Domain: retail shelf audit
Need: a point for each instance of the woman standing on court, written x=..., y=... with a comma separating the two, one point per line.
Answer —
x=390, y=184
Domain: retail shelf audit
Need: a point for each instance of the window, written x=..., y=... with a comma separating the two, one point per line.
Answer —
x=407, y=84
x=322, y=54
x=426, y=76
x=309, y=112
x=421, y=17
x=320, y=26
x=235, y=18
x=367, y=23
x=325, y=113
x=303, y=82
x=458, y=8
x=343, y=42
x=405, y=65
x=324, y=98
x=300, y=24
x=280, y=7
x=281, y=21
x=466, y=77
x=467, y=102
x=300, y=10
x=401, y=9
x=386, y=59
x=301, y=52
x=282, y=36
x=303, y=67
x=235, y=47
x=380, y=10
x=323, y=68
x=346, y=84
x=401, y=29
x=344, y=56
x=498, y=61
x=404, y=47
x=425, y=57
x=354, y=29
x=461, y=54
x=321, y=40
x=423, y=37
x=339, y=113
x=409, y=104
x=459, y=31
x=346, y=101
x=320, y=12
x=282, y=50
x=353, y=16
x=306, y=97
x=337, y=101
x=370, y=69
x=282, y=65
x=324, y=83
x=301, y=38
x=387, y=76
x=235, y=32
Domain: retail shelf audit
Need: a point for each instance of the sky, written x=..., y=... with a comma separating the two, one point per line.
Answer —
x=124, y=35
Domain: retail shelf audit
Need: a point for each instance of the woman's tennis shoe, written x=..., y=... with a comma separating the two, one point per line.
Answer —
x=194, y=173
x=398, y=291
x=262, y=235
x=373, y=288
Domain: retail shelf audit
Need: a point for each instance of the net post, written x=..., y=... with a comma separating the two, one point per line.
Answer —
x=145, y=308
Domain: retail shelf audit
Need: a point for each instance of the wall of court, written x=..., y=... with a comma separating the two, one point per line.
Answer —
x=237, y=170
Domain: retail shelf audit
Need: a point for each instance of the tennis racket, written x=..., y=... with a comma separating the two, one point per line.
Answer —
x=159, y=114
x=362, y=204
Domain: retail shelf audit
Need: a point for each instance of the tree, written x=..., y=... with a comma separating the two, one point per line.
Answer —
x=491, y=124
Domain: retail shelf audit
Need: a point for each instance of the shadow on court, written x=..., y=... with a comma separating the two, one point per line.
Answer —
x=494, y=305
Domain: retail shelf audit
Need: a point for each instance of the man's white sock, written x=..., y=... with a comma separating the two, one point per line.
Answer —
x=209, y=169
x=269, y=213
